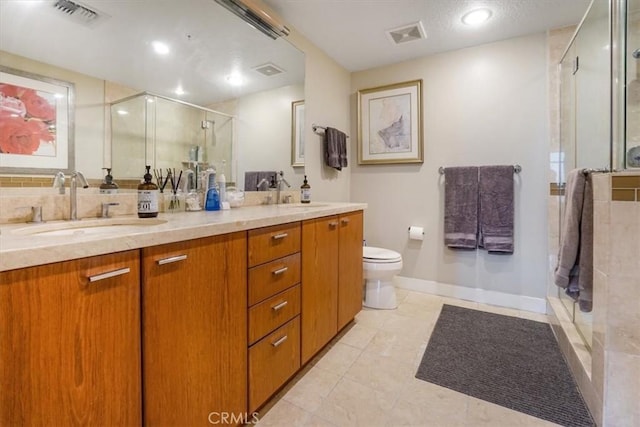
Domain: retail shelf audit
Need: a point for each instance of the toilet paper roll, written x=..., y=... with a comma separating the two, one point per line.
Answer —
x=416, y=233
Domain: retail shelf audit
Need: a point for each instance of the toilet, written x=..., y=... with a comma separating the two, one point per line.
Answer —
x=380, y=266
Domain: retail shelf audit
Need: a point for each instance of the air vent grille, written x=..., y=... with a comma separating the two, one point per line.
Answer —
x=79, y=13
x=407, y=33
x=268, y=69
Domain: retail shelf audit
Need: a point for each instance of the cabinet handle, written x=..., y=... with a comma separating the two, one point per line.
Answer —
x=345, y=220
x=279, y=306
x=171, y=259
x=333, y=224
x=279, y=236
x=279, y=271
x=109, y=274
x=279, y=341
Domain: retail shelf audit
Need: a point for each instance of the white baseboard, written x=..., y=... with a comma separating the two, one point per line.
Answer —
x=518, y=302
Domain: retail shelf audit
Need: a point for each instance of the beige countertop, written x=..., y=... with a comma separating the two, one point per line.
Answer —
x=21, y=247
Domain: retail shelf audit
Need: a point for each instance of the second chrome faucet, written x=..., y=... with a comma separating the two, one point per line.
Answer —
x=76, y=178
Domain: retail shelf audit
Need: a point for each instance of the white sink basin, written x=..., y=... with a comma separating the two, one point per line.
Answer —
x=89, y=227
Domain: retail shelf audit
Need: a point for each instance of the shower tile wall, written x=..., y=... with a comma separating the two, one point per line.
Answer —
x=616, y=314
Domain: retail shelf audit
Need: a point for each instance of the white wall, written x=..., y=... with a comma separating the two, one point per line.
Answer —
x=327, y=88
x=482, y=105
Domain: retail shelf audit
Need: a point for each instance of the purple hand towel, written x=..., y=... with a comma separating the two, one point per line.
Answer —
x=495, y=220
x=335, y=148
x=461, y=207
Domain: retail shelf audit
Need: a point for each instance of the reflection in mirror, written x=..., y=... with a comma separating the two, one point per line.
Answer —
x=148, y=129
x=214, y=58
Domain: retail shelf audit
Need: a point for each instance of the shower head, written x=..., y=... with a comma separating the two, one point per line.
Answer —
x=206, y=124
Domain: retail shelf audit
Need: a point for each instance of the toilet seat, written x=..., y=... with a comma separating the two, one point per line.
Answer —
x=375, y=255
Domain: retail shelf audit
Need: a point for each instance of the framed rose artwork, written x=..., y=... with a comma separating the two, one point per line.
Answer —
x=36, y=123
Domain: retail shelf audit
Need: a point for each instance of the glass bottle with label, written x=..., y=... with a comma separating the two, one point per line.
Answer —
x=147, y=197
x=305, y=191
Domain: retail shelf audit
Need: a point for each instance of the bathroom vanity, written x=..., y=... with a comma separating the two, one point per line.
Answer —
x=174, y=323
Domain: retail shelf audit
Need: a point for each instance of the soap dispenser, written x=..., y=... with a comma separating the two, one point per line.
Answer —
x=148, y=197
x=212, y=199
x=305, y=191
x=108, y=186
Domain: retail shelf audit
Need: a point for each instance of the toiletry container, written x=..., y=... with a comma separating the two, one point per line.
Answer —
x=305, y=191
x=222, y=184
x=212, y=199
x=108, y=186
x=148, y=197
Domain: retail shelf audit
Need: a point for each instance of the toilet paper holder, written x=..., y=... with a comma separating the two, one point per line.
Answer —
x=416, y=233
x=409, y=230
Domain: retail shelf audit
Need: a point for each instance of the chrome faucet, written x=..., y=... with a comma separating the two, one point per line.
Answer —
x=73, y=196
x=58, y=182
x=279, y=180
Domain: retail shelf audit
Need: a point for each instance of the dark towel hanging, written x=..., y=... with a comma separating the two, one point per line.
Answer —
x=335, y=148
x=496, y=208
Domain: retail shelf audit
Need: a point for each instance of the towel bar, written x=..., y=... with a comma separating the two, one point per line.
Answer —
x=516, y=169
x=315, y=128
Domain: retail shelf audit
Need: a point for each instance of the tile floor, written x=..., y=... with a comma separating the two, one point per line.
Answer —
x=365, y=377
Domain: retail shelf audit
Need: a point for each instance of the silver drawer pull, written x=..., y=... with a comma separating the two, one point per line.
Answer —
x=279, y=306
x=171, y=259
x=279, y=236
x=279, y=271
x=333, y=224
x=345, y=220
x=279, y=341
x=109, y=274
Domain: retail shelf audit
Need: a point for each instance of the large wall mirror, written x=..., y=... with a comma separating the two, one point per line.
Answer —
x=217, y=83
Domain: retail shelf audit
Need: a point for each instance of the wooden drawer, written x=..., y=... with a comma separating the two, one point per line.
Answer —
x=269, y=243
x=268, y=279
x=272, y=361
x=272, y=313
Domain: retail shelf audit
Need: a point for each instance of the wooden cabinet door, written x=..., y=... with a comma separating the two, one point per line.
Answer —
x=70, y=343
x=195, y=330
x=319, y=312
x=349, y=267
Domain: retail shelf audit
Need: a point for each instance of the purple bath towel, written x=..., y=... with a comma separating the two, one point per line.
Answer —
x=567, y=270
x=461, y=207
x=495, y=222
x=574, y=271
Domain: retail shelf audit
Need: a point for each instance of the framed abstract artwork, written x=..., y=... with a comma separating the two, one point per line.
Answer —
x=36, y=123
x=390, y=124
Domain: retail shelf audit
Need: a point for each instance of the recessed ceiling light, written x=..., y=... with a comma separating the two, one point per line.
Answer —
x=235, y=79
x=160, y=48
x=179, y=91
x=123, y=112
x=476, y=17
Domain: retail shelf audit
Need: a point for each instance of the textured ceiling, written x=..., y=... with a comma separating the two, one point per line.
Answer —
x=353, y=31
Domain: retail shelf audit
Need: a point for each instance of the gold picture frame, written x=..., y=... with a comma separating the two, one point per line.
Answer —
x=36, y=124
x=390, y=124
x=297, y=133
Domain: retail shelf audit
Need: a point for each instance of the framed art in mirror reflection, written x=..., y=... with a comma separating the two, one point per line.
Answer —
x=36, y=123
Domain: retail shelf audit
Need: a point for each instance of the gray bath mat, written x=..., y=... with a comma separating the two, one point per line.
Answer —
x=512, y=362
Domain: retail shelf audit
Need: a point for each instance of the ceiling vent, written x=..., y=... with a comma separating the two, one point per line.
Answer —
x=269, y=69
x=79, y=13
x=407, y=33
